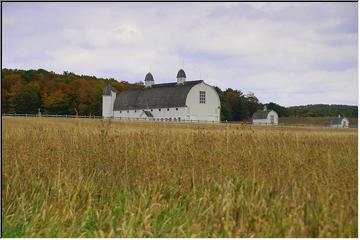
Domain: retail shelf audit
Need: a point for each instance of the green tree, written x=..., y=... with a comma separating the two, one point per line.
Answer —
x=25, y=98
x=253, y=103
x=56, y=103
x=281, y=111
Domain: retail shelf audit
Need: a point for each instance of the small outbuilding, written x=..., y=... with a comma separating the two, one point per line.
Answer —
x=339, y=122
x=265, y=117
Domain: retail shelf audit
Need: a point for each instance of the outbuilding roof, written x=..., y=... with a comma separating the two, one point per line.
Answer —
x=261, y=114
x=336, y=121
x=164, y=95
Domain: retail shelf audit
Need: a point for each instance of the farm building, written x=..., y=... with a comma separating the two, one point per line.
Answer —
x=339, y=122
x=176, y=101
x=265, y=117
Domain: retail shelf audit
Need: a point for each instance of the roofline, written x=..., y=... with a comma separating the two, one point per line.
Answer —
x=159, y=84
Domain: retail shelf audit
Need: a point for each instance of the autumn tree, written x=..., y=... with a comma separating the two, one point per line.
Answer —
x=25, y=98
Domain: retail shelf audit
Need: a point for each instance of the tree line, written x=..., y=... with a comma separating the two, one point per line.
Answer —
x=27, y=91
x=323, y=110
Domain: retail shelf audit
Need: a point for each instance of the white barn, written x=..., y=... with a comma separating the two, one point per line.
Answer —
x=177, y=101
x=339, y=122
x=265, y=117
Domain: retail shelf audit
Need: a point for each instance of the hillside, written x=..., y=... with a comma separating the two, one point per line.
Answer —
x=25, y=91
x=323, y=110
x=313, y=121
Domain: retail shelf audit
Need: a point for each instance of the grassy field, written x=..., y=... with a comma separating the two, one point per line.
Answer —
x=96, y=178
x=313, y=121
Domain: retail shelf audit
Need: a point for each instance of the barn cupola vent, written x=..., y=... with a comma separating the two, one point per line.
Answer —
x=181, y=77
x=149, y=80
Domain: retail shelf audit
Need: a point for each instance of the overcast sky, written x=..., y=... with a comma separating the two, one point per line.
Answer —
x=288, y=53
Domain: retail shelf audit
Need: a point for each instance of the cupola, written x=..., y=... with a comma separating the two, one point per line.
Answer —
x=149, y=80
x=181, y=77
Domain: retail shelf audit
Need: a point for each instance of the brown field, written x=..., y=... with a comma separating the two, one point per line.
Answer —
x=97, y=178
x=313, y=121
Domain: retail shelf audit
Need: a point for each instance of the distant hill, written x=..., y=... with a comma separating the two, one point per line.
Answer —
x=323, y=110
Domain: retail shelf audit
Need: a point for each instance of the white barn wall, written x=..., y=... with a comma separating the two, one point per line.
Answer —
x=260, y=121
x=208, y=111
x=164, y=113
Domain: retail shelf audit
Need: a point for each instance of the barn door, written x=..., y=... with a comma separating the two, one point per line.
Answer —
x=272, y=119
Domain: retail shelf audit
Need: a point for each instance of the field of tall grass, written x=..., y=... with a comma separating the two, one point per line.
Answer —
x=100, y=178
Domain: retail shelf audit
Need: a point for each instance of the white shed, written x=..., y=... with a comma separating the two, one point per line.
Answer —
x=265, y=117
x=339, y=122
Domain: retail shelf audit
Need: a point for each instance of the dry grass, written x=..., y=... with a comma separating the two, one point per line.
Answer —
x=93, y=178
x=314, y=121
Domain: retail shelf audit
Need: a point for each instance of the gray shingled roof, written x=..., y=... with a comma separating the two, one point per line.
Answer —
x=158, y=96
x=336, y=121
x=181, y=74
x=261, y=114
x=107, y=89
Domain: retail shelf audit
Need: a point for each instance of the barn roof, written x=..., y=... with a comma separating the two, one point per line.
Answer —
x=164, y=95
x=261, y=114
x=336, y=121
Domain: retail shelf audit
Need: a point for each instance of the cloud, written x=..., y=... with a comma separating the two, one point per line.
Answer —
x=289, y=53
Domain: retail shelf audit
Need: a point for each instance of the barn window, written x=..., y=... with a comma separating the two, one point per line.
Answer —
x=177, y=109
x=168, y=109
x=179, y=119
x=159, y=109
x=127, y=111
x=120, y=111
x=202, y=96
x=150, y=109
x=135, y=110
